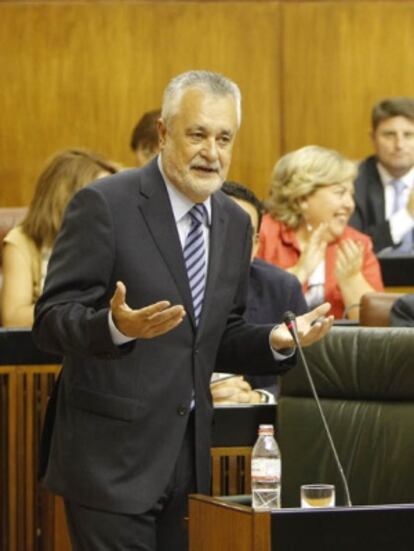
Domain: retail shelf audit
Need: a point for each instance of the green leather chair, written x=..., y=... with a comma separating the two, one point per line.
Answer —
x=365, y=380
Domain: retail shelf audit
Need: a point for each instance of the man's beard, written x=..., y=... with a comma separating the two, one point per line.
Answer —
x=191, y=185
x=201, y=186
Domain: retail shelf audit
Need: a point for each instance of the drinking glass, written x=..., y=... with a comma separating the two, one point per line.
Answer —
x=317, y=495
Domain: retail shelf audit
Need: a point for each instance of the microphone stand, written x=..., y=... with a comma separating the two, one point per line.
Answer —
x=291, y=325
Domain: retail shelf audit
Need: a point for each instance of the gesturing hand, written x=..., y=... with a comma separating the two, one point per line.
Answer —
x=144, y=323
x=311, y=327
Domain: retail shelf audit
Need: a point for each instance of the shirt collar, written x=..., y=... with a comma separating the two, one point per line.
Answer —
x=180, y=203
x=387, y=179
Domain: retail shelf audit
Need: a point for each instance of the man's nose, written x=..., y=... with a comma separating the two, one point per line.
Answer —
x=210, y=149
x=399, y=141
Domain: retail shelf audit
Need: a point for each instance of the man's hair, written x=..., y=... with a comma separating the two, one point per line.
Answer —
x=238, y=191
x=145, y=133
x=208, y=81
x=392, y=107
x=299, y=174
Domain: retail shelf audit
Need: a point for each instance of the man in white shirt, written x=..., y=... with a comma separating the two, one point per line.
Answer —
x=384, y=188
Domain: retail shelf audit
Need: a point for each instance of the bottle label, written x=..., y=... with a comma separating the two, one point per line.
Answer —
x=266, y=470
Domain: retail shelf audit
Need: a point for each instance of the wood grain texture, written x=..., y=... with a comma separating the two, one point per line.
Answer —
x=81, y=74
x=339, y=58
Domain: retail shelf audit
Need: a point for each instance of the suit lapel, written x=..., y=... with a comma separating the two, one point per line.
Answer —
x=156, y=209
x=375, y=190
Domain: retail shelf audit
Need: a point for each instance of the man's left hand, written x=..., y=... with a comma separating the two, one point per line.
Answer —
x=311, y=327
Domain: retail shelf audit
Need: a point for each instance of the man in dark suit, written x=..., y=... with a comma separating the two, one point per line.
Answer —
x=384, y=188
x=132, y=430
x=271, y=292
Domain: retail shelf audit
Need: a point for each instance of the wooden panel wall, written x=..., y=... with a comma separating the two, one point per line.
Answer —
x=339, y=58
x=82, y=73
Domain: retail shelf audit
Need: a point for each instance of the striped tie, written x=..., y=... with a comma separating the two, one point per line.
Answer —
x=195, y=257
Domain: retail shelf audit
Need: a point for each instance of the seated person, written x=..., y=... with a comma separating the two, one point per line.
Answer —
x=306, y=230
x=271, y=292
x=402, y=312
x=144, y=139
x=384, y=188
x=27, y=247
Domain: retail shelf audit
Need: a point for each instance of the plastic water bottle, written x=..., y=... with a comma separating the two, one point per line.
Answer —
x=266, y=471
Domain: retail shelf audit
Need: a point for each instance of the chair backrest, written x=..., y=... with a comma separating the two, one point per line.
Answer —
x=365, y=379
x=375, y=309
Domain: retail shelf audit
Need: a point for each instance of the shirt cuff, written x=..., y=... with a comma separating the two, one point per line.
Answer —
x=280, y=354
x=118, y=338
x=400, y=223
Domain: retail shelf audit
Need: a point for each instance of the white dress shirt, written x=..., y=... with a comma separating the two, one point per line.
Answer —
x=401, y=221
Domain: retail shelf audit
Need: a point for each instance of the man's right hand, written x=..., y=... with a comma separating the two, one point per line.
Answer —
x=145, y=323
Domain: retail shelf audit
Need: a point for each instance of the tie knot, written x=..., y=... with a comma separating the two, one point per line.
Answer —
x=198, y=213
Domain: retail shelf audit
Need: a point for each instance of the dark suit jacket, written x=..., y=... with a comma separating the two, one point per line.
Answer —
x=369, y=215
x=402, y=312
x=272, y=291
x=122, y=411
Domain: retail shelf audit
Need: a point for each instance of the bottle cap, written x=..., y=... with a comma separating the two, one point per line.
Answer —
x=266, y=429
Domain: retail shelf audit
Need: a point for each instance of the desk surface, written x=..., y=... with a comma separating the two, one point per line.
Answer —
x=359, y=528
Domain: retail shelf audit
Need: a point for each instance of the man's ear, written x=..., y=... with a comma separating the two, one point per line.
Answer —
x=162, y=131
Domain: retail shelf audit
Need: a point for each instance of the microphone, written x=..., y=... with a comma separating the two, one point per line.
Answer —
x=289, y=319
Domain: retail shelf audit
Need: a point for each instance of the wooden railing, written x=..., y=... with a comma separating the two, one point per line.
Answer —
x=31, y=518
x=28, y=509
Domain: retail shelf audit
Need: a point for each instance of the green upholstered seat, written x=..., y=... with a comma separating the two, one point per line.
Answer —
x=365, y=379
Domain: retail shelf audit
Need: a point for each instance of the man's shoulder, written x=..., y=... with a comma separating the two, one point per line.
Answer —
x=260, y=269
x=367, y=171
x=230, y=207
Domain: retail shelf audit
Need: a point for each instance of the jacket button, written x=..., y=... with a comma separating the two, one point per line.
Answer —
x=181, y=410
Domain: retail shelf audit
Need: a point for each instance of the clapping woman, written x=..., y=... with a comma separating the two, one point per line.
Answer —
x=306, y=230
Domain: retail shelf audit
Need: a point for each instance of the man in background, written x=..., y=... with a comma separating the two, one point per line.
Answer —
x=384, y=188
x=144, y=138
x=271, y=292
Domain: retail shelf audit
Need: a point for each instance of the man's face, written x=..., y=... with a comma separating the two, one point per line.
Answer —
x=393, y=141
x=197, y=142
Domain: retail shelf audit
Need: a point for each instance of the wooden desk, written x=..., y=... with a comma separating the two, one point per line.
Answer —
x=219, y=525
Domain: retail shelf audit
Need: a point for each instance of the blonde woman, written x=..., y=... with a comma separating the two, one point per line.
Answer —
x=306, y=230
x=27, y=247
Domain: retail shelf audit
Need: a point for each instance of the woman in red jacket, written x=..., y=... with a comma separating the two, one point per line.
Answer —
x=306, y=230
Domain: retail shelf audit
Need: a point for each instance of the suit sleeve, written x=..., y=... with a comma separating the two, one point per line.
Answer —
x=71, y=315
x=244, y=347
